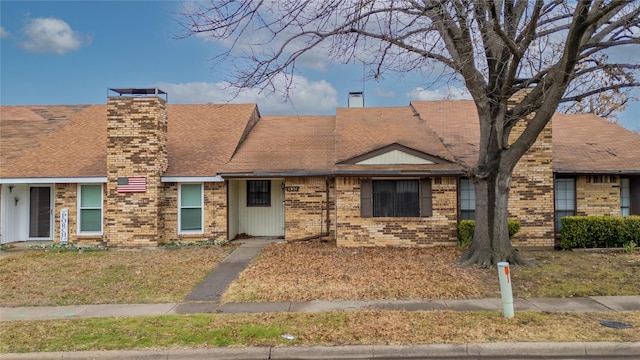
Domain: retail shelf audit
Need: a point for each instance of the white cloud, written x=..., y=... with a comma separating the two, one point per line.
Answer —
x=51, y=35
x=305, y=97
x=448, y=93
x=3, y=33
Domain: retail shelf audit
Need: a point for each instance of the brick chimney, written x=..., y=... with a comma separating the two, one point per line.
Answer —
x=136, y=158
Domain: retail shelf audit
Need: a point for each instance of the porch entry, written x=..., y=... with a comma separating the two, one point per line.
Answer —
x=256, y=207
x=40, y=212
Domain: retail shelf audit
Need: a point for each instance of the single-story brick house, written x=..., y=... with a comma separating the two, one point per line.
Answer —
x=140, y=172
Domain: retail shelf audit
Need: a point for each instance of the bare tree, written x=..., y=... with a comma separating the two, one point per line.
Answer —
x=555, y=51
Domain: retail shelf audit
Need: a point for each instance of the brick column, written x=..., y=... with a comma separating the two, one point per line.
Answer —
x=136, y=146
x=531, y=196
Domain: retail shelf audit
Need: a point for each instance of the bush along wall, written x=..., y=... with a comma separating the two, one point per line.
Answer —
x=599, y=231
x=466, y=227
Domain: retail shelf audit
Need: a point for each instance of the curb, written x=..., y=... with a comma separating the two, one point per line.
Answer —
x=596, y=350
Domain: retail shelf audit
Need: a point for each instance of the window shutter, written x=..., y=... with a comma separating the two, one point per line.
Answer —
x=634, y=190
x=426, y=208
x=366, y=198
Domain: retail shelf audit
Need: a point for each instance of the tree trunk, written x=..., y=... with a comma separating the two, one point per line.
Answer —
x=491, y=243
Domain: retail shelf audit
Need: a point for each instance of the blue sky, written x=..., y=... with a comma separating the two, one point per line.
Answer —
x=55, y=52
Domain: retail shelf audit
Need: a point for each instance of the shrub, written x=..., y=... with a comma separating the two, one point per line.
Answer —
x=599, y=231
x=466, y=227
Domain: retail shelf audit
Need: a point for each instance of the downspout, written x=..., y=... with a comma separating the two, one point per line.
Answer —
x=335, y=206
x=328, y=221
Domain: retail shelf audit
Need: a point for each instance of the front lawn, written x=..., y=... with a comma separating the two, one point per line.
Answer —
x=316, y=270
x=53, y=277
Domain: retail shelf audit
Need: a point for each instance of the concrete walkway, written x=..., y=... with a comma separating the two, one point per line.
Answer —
x=215, y=284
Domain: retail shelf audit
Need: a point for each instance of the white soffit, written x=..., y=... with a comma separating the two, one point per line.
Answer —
x=395, y=157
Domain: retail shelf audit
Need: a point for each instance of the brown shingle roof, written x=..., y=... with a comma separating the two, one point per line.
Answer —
x=581, y=142
x=588, y=143
x=203, y=137
x=61, y=141
x=456, y=125
x=286, y=144
x=362, y=130
x=206, y=140
x=200, y=139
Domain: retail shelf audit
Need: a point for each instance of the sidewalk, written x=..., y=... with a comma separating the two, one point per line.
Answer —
x=590, y=304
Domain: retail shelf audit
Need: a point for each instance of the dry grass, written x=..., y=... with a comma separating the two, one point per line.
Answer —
x=39, y=278
x=316, y=270
x=579, y=273
x=329, y=328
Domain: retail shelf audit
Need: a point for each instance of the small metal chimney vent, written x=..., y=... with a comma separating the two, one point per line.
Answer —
x=356, y=99
x=140, y=92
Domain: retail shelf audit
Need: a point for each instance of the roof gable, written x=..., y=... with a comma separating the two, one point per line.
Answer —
x=394, y=154
x=360, y=131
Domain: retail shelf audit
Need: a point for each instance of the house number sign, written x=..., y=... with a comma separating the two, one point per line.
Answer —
x=292, y=188
x=64, y=225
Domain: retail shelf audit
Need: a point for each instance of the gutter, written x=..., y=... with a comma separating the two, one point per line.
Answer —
x=342, y=173
x=597, y=172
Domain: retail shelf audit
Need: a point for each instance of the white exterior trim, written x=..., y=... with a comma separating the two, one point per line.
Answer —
x=79, y=211
x=192, y=179
x=57, y=180
x=186, y=232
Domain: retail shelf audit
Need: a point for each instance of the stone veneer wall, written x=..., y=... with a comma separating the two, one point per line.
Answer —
x=531, y=199
x=66, y=196
x=136, y=146
x=215, y=214
x=306, y=207
x=352, y=230
x=598, y=195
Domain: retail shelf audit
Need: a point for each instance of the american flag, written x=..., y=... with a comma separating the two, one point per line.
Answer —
x=132, y=184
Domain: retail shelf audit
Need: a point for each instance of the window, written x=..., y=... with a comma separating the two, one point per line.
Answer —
x=259, y=193
x=396, y=198
x=190, y=217
x=467, y=200
x=625, y=197
x=565, y=199
x=90, y=209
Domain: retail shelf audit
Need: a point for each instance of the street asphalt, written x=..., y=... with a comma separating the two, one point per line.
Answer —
x=205, y=299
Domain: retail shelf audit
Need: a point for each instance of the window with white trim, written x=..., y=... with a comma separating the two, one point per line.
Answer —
x=90, y=209
x=565, y=199
x=190, y=209
x=467, y=200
